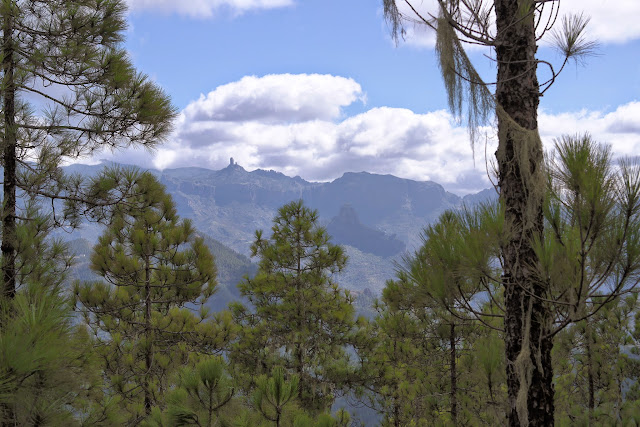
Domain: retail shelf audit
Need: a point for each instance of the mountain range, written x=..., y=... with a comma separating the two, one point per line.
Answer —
x=377, y=218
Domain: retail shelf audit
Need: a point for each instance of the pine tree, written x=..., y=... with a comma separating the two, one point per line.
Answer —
x=439, y=283
x=400, y=367
x=47, y=369
x=443, y=314
x=42, y=361
x=298, y=317
x=155, y=272
x=590, y=260
x=274, y=393
x=198, y=397
x=597, y=370
x=67, y=89
x=512, y=29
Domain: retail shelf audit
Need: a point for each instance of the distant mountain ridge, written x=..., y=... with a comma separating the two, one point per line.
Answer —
x=231, y=204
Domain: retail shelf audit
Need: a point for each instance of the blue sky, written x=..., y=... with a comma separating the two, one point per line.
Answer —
x=317, y=88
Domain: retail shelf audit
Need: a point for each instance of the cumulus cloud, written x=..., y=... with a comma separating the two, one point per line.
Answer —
x=381, y=140
x=611, y=21
x=295, y=124
x=619, y=128
x=204, y=8
x=304, y=132
x=277, y=98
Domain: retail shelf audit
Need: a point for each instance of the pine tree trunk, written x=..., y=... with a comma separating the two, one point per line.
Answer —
x=520, y=163
x=147, y=323
x=454, y=374
x=9, y=244
x=590, y=380
x=9, y=238
x=396, y=414
x=210, y=414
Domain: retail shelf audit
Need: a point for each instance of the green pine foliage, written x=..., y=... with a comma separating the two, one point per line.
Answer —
x=201, y=396
x=98, y=100
x=148, y=351
x=433, y=354
x=598, y=368
x=41, y=361
x=591, y=252
x=48, y=373
x=436, y=357
x=155, y=273
x=448, y=293
x=298, y=317
x=274, y=393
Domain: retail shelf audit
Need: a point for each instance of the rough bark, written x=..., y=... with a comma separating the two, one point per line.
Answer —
x=147, y=323
x=590, y=381
x=9, y=243
x=454, y=375
x=210, y=414
x=520, y=163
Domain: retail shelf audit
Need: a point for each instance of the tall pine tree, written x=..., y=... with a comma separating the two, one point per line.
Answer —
x=155, y=272
x=47, y=369
x=512, y=30
x=298, y=317
x=67, y=89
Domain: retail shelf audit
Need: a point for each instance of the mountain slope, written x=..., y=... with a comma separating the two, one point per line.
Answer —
x=346, y=229
x=231, y=204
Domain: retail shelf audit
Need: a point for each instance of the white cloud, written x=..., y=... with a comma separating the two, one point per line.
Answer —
x=619, y=128
x=320, y=144
x=293, y=123
x=277, y=98
x=205, y=8
x=612, y=21
x=381, y=140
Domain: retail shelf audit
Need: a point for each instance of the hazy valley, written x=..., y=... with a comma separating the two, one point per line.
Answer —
x=376, y=218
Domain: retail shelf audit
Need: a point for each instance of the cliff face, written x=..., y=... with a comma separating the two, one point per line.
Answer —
x=346, y=229
x=376, y=217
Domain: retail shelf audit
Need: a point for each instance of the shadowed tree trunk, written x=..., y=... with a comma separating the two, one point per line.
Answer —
x=9, y=243
x=520, y=163
x=453, y=373
x=9, y=186
x=148, y=357
x=71, y=44
x=590, y=381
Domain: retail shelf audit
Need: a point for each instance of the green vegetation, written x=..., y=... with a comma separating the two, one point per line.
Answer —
x=148, y=351
x=152, y=266
x=511, y=30
x=75, y=45
x=524, y=310
x=298, y=317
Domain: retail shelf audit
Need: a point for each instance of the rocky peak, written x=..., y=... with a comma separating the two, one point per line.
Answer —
x=347, y=215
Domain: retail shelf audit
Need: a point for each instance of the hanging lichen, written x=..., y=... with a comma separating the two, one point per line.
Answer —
x=528, y=155
x=462, y=82
x=527, y=161
x=394, y=18
x=524, y=368
x=519, y=155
